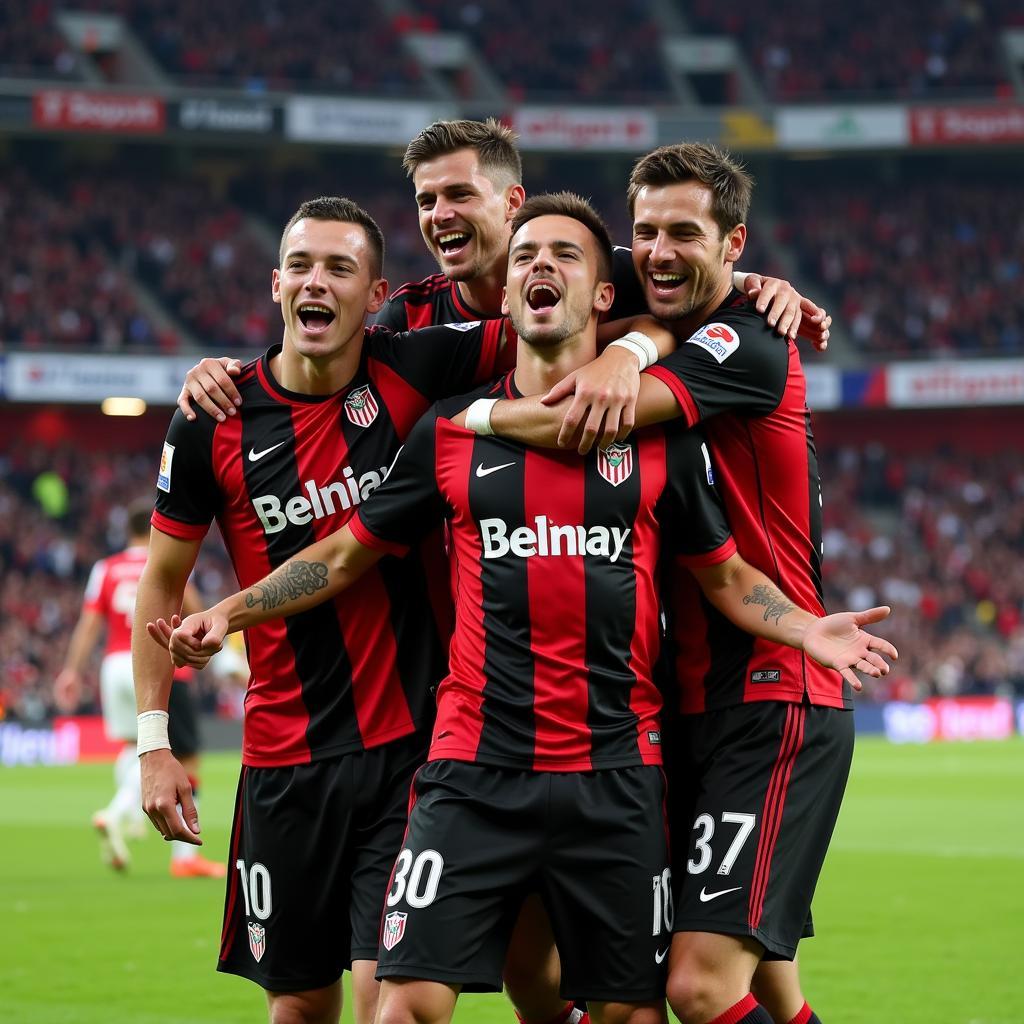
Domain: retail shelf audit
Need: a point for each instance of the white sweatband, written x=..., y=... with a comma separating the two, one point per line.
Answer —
x=153, y=731
x=640, y=345
x=478, y=416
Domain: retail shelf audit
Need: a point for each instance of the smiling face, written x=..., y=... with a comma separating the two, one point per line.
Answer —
x=679, y=252
x=553, y=286
x=464, y=214
x=325, y=285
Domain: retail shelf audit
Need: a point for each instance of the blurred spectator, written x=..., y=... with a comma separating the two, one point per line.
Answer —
x=31, y=45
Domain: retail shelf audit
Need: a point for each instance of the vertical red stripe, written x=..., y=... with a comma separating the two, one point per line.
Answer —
x=405, y=405
x=227, y=935
x=462, y=690
x=774, y=805
x=274, y=684
x=645, y=699
x=558, y=627
x=419, y=316
x=363, y=611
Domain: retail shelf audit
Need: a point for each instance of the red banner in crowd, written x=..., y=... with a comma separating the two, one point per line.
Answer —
x=949, y=718
x=966, y=125
x=77, y=111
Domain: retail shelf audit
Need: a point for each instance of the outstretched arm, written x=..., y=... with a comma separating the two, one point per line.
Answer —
x=789, y=312
x=67, y=688
x=749, y=599
x=315, y=574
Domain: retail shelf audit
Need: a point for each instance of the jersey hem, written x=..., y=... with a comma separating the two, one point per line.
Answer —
x=818, y=700
x=369, y=743
x=589, y=765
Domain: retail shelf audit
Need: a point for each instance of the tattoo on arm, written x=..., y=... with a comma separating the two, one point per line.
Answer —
x=289, y=582
x=775, y=605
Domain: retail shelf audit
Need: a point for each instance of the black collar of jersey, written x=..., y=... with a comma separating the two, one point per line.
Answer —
x=277, y=390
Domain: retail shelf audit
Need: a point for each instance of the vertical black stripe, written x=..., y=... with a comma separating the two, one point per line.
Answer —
x=814, y=510
x=321, y=661
x=509, y=727
x=611, y=613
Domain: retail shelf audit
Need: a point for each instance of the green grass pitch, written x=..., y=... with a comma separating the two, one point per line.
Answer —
x=919, y=909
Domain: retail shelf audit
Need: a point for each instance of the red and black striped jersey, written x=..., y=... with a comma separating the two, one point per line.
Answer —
x=288, y=470
x=746, y=387
x=432, y=301
x=555, y=563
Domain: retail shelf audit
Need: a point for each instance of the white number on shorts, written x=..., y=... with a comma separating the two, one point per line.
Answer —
x=255, y=890
x=664, y=912
x=421, y=890
x=702, y=845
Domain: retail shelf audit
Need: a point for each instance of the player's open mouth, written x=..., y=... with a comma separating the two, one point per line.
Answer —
x=542, y=297
x=664, y=283
x=314, y=317
x=453, y=242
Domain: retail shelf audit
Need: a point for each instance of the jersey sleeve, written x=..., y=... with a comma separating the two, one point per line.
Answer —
x=734, y=363
x=449, y=359
x=392, y=315
x=188, y=496
x=695, y=530
x=408, y=505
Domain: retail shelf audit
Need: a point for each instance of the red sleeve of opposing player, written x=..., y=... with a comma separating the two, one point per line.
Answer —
x=368, y=539
x=183, y=531
x=680, y=390
x=721, y=554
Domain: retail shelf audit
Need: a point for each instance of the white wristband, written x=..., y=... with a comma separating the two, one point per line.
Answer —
x=153, y=731
x=478, y=416
x=640, y=345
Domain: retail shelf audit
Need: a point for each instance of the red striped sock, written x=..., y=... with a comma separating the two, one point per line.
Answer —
x=747, y=1011
x=805, y=1016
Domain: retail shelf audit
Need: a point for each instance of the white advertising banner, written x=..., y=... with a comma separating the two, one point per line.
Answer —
x=980, y=382
x=369, y=122
x=855, y=127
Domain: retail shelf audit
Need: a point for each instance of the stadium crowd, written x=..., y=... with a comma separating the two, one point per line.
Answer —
x=908, y=282
x=939, y=536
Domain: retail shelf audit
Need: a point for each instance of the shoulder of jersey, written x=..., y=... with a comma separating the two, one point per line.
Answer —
x=424, y=289
x=449, y=407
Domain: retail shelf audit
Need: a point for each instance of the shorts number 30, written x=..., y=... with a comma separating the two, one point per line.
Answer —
x=416, y=879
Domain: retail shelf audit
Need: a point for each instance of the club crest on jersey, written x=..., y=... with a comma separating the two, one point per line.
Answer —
x=718, y=339
x=163, y=478
x=361, y=407
x=257, y=940
x=394, y=929
x=615, y=463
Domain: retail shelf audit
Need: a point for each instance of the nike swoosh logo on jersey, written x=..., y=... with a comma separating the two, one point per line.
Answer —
x=481, y=472
x=255, y=456
x=660, y=955
x=707, y=897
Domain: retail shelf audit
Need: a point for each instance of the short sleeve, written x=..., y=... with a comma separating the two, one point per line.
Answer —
x=392, y=316
x=695, y=529
x=408, y=505
x=93, y=601
x=188, y=495
x=734, y=363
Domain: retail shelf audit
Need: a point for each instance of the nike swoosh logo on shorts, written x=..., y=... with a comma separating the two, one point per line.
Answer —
x=255, y=456
x=660, y=955
x=481, y=472
x=707, y=897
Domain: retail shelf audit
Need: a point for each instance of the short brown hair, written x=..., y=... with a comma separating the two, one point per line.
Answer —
x=494, y=143
x=138, y=516
x=345, y=210
x=731, y=186
x=568, y=204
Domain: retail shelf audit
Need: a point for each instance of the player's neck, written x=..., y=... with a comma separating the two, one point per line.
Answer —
x=483, y=294
x=693, y=320
x=313, y=375
x=539, y=369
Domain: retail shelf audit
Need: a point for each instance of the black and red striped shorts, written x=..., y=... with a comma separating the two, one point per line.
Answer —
x=754, y=794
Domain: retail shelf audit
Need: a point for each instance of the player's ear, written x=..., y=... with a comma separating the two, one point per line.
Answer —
x=275, y=285
x=504, y=302
x=514, y=199
x=604, y=296
x=378, y=293
x=735, y=240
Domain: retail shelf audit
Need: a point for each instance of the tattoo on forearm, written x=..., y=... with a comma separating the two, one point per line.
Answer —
x=289, y=582
x=775, y=605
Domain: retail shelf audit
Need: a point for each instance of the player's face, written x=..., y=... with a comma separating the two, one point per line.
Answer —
x=464, y=215
x=679, y=253
x=325, y=285
x=552, y=288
